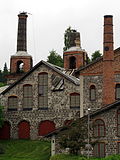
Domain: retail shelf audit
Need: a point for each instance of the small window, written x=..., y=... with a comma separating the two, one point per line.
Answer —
x=117, y=89
x=72, y=62
x=99, y=128
x=99, y=150
x=74, y=100
x=12, y=103
x=92, y=93
x=27, y=96
x=20, y=65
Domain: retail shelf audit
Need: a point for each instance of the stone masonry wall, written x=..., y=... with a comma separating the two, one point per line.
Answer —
x=87, y=82
x=58, y=104
x=110, y=139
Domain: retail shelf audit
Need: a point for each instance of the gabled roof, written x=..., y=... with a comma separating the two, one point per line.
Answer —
x=90, y=64
x=95, y=61
x=57, y=69
x=105, y=108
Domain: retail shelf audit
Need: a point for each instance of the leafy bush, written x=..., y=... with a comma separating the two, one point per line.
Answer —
x=74, y=137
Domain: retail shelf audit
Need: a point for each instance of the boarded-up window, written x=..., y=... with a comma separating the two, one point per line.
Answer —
x=27, y=96
x=99, y=128
x=117, y=91
x=92, y=93
x=46, y=127
x=118, y=122
x=43, y=90
x=74, y=100
x=12, y=103
x=99, y=150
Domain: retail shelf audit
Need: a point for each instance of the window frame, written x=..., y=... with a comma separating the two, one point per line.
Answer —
x=12, y=108
x=97, y=128
x=27, y=97
x=44, y=93
x=98, y=150
x=74, y=95
x=90, y=92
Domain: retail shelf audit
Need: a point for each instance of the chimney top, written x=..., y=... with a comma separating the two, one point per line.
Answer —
x=108, y=16
x=23, y=14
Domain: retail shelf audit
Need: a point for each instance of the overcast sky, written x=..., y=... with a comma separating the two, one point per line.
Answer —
x=47, y=21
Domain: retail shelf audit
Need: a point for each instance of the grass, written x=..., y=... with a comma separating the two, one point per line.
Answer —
x=72, y=157
x=25, y=150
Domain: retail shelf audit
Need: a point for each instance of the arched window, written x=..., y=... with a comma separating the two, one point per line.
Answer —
x=12, y=103
x=92, y=93
x=74, y=100
x=27, y=97
x=72, y=62
x=118, y=122
x=43, y=90
x=20, y=66
x=117, y=90
x=99, y=128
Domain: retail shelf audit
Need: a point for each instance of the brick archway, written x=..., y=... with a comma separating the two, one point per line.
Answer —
x=46, y=127
x=5, y=131
x=24, y=130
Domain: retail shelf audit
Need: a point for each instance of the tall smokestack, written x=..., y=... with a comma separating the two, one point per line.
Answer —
x=108, y=38
x=108, y=62
x=22, y=35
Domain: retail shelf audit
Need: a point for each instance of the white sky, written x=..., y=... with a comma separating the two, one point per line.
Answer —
x=49, y=20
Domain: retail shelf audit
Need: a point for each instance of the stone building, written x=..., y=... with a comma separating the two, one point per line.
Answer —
x=38, y=99
x=44, y=97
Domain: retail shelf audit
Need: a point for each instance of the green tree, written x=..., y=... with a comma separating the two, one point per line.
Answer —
x=5, y=69
x=55, y=58
x=5, y=73
x=74, y=137
x=67, y=38
x=95, y=55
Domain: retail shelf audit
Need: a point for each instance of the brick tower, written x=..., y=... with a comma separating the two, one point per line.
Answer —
x=21, y=62
x=108, y=62
x=75, y=56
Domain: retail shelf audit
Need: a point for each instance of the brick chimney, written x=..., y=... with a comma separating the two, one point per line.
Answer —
x=22, y=37
x=108, y=62
x=21, y=62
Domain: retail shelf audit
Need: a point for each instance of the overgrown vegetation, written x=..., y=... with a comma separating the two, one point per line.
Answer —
x=73, y=157
x=95, y=55
x=25, y=150
x=55, y=58
x=75, y=136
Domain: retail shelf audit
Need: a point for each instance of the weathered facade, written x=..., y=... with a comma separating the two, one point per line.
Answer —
x=47, y=96
x=58, y=109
